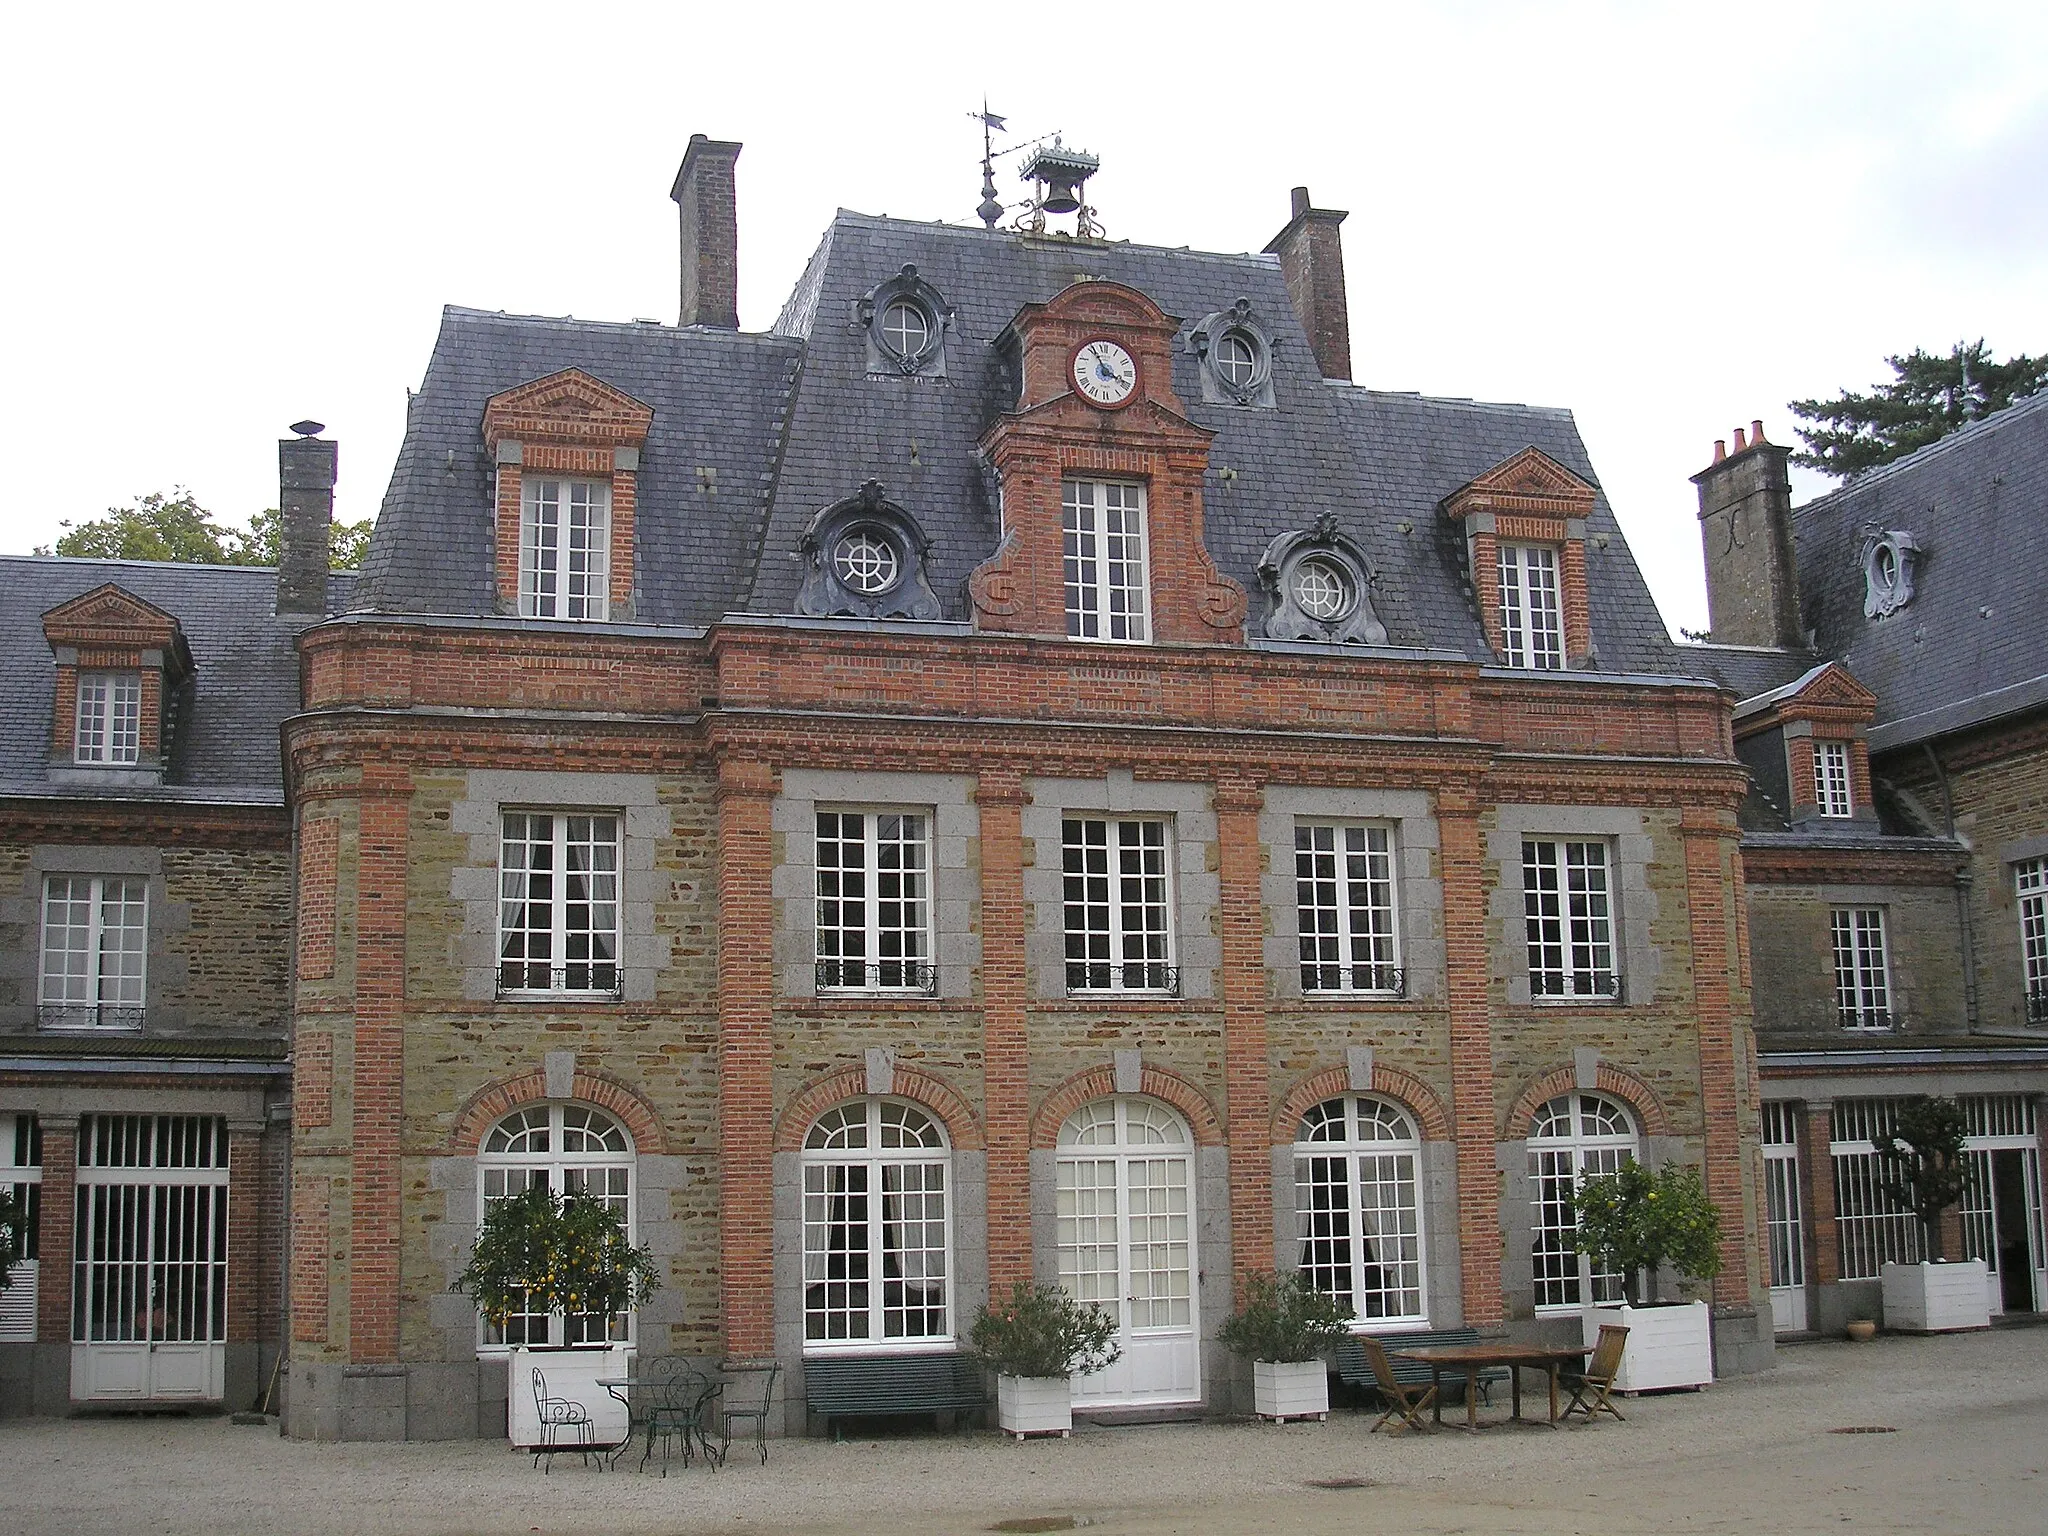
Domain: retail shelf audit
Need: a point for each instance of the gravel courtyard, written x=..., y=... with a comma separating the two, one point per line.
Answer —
x=1970, y=1441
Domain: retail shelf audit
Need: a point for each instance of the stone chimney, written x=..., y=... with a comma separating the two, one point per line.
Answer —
x=711, y=234
x=305, y=479
x=1746, y=529
x=1311, y=252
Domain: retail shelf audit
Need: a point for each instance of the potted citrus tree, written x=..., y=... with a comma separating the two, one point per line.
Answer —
x=1036, y=1340
x=1633, y=1222
x=1922, y=1166
x=1283, y=1327
x=566, y=1257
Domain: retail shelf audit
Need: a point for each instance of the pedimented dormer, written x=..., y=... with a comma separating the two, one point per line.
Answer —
x=1524, y=523
x=1101, y=479
x=1821, y=722
x=567, y=449
x=119, y=659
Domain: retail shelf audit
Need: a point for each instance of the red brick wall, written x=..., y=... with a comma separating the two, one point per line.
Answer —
x=1468, y=968
x=55, y=1239
x=746, y=990
x=1247, y=1090
x=1709, y=845
x=1006, y=1066
x=319, y=845
x=375, y=1188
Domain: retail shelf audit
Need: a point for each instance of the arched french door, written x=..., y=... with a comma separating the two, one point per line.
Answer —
x=1126, y=1233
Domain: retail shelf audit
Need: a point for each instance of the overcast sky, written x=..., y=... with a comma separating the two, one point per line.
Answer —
x=1670, y=220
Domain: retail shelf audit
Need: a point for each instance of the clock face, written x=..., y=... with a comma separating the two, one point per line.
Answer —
x=1104, y=373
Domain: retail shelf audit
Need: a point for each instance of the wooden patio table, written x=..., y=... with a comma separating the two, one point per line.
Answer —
x=1469, y=1360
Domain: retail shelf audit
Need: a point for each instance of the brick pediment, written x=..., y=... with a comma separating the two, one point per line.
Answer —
x=567, y=407
x=1530, y=484
x=1832, y=687
x=1047, y=334
x=110, y=618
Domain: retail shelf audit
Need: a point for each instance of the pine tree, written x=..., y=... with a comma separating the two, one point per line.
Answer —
x=1929, y=398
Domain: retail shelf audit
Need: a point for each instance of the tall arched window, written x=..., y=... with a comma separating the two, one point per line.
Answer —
x=1356, y=1210
x=1573, y=1135
x=572, y=1149
x=878, y=1230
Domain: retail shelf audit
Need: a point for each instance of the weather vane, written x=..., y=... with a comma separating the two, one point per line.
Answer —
x=990, y=209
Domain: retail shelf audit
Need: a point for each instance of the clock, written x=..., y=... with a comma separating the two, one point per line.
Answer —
x=1104, y=373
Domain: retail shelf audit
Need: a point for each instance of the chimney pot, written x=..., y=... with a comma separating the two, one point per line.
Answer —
x=1756, y=432
x=1301, y=202
x=1311, y=252
x=1739, y=443
x=305, y=518
x=709, y=212
x=1720, y=449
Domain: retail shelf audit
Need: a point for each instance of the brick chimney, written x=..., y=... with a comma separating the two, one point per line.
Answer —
x=305, y=477
x=1746, y=529
x=711, y=233
x=1311, y=252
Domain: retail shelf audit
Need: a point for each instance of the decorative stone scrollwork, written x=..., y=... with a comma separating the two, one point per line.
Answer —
x=864, y=558
x=906, y=320
x=1317, y=583
x=1889, y=556
x=1236, y=353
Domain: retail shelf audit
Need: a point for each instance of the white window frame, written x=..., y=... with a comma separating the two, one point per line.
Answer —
x=2030, y=890
x=1863, y=978
x=887, y=945
x=1531, y=607
x=1831, y=778
x=21, y=1173
x=1572, y=1136
x=1569, y=920
x=1347, y=905
x=1358, y=1196
x=596, y=973
x=86, y=991
x=108, y=725
x=859, y=1154
x=565, y=538
x=1118, y=911
x=604, y=1165
x=1103, y=537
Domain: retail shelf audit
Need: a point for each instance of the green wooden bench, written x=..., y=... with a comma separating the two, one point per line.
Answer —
x=857, y=1386
x=1352, y=1366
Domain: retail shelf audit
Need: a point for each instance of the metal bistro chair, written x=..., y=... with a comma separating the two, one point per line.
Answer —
x=757, y=1415
x=1409, y=1404
x=672, y=1415
x=1590, y=1397
x=557, y=1414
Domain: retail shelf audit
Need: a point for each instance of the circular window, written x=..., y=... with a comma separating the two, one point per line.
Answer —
x=866, y=561
x=905, y=328
x=1237, y=359
x=1322, y=588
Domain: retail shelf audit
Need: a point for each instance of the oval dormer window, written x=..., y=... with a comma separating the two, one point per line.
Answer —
x=1237, y=360
x=906, y=328
x=866, y=560
x=1322, y=589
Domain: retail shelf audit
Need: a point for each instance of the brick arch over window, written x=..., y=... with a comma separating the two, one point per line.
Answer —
x=497, y=1100
x=1405, y=1089
x=1651, y=1119
x=954, y=1112
x=1100, y=1083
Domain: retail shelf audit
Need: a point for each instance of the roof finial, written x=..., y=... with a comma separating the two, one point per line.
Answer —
x=991, y=209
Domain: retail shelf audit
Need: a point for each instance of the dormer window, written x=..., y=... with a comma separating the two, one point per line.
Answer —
x=1531, y=617
x=906, y=320
x=109, y=718
x=866, y=560
x=1831, y=764
x=1236, y=360
x=1236, y=356
x=564, y=546
x=1103, y=523
x=905, y=328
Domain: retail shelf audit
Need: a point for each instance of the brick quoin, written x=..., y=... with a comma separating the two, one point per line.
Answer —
x=311, y=1275
x=1006, y=1050
x=1472, y=1110
x=376, y=1192
x=1709, y=839
x=319, y=850
x=746, y=1051
x=1247, y=1089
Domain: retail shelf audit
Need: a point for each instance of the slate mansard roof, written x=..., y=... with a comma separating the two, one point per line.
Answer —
x=754, y=434
x=223, y=741
x=1972, y=644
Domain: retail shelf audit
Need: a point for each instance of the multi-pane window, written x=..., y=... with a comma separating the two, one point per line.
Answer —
x=1237, y=361
x=874, y=900
x=905, y=328
x=558, y=903
x=572, y=1150
x=1117, y=894
x=1863, y=993
x=109, y=718
x=877, y=1228
x=1356, y=1212
x=1571, y=1137
x=95, y=940
x=2031, y=886
x=1103, y=523
x=1568, y=910
x=1531, y=617
x=1831, y=778
x=564, y=548
x=1344, y=893
x=21, y=1175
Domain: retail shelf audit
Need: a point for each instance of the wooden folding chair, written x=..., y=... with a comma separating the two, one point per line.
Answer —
x=1409, y=1403
x=1590, y=1396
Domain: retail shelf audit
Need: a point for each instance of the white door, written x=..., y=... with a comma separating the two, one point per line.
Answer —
x=149, y=1319
x=1782, y=1218
x=1126, y=1243
x=2001, y=1208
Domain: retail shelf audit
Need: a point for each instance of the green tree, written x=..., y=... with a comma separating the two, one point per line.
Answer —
x=177, y=528
x=261, y=545
x=10, y=1236
x=1929, y=398
x=1922, y=1166
x=1634, y=1221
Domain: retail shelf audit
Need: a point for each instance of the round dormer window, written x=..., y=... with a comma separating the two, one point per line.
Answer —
x=1237, y=360
x=865, y=561
x=1323, y=589
x=906, y=328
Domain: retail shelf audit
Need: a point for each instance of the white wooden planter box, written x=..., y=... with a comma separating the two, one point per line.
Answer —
x=1936, y=1298
x=1035, y=1405
x=570, y=1373
x=1291, y=1389
x=1667, y=1346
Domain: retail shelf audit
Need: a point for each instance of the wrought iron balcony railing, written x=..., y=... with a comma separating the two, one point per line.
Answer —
x=1865, y=1020
x=1389, y=980
x=878, y=976
x=584, y=979
x=89, y=1016
x=2037, y=1005
x=1603, y=985
x=1123, y=976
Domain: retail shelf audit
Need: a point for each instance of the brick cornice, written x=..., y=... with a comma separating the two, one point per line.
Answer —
x=167, y=823
x=1859, y=865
